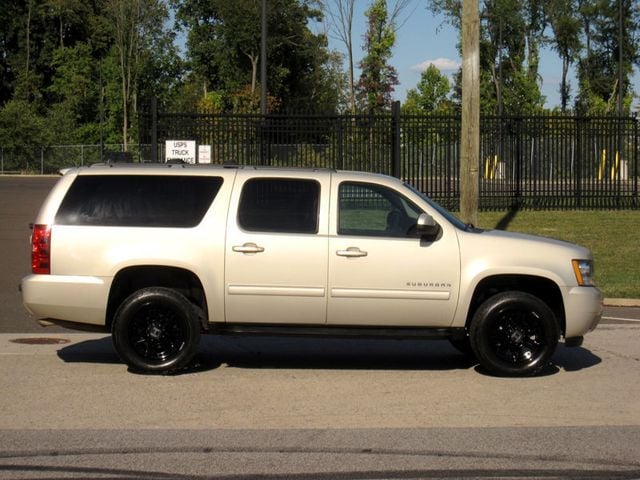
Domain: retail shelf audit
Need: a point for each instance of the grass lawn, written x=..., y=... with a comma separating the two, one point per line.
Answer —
x=613, y=237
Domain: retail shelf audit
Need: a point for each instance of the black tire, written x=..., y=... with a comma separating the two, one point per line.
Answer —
x=514, y=334
x=156, y=330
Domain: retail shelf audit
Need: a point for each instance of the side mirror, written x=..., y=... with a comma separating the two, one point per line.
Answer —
x=427, y=226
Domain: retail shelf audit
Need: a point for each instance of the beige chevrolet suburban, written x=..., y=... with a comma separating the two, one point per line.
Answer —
x=160, y=254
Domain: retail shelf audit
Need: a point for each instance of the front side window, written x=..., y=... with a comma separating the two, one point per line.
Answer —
x=279, y=205
x=373, y=210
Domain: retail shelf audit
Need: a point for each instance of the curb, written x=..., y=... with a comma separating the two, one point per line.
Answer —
x=621, y=302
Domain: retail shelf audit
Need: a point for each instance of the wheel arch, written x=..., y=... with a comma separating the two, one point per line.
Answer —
x=543, y=288
x=134, y=278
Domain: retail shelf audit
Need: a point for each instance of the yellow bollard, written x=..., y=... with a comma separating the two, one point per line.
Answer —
x=615, y=167
x=602, y=166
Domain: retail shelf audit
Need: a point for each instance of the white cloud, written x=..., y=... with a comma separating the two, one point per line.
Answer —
x=443, y=64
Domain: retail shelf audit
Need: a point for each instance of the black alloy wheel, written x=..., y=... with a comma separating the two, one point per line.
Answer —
x=514, y=334
x=156, y=330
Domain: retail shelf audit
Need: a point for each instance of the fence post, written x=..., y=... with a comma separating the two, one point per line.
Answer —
x=578, y=160
x=41, y=160
x=518, y=133
x=154, y=130
x=2, y=160
x=340, y=143
x=635, y=158
x=261, y=136
x=395, y=139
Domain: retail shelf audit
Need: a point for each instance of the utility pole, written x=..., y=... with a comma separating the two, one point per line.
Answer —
x=263, y=60
x=620, y=57
x=470, y=134
x=263, y=86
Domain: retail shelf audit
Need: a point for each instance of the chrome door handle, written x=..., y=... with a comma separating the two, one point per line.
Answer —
x=351, y=252
x=248, y=248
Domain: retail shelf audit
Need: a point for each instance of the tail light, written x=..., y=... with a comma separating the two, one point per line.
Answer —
x=41, y=249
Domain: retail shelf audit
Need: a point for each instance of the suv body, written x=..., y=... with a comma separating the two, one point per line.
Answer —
x=158, y=254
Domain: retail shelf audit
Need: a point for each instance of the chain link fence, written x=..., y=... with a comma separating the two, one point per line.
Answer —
x=31, y=160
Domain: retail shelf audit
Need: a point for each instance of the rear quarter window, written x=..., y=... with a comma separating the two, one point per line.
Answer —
x=138, y=200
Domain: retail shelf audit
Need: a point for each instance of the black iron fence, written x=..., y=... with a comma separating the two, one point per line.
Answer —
x=559, y=162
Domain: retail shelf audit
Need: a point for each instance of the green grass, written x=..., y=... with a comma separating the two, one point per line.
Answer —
x=612, y=236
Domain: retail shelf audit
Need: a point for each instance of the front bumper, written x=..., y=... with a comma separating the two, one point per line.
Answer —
x=583, y=310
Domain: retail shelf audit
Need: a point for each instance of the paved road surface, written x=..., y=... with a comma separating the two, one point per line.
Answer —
x=268, y=408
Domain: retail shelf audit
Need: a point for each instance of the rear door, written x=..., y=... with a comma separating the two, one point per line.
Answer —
x=276, y=249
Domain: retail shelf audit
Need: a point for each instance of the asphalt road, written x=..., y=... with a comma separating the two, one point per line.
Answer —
x=267, y=408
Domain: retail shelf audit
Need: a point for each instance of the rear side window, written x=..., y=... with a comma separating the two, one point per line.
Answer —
x=138, y=200
x=279, y=205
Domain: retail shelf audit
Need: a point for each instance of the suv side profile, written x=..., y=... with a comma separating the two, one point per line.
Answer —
x=160, y=254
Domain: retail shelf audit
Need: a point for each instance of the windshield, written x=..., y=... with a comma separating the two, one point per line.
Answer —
x=456, y=222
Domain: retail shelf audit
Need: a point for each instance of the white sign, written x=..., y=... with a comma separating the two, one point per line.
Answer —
x=184, y=150
x=204, y=153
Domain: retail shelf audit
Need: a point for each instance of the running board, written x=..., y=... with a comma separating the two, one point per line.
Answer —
x=335, y=331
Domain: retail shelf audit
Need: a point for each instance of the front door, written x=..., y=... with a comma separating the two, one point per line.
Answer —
x=380, y=272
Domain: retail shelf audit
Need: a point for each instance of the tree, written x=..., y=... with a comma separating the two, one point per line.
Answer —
x=565, y=41
x=340, y=12
x=137, y=32
x=431, y=94
x=510, y=37
x=74, y=92
x=10, y=34
x=598, y=67
x=224, y=47
x=378, y=77
x=21, y=125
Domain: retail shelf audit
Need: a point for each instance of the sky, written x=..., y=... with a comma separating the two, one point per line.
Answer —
x=425, y=38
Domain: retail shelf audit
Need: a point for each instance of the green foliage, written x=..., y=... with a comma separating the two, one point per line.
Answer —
x=431, y=95
x=58, y=57
x=224, y=51
x=21, y=125
x=599, y=62
x=582, y=32
x=378, y=78
x=77, y=71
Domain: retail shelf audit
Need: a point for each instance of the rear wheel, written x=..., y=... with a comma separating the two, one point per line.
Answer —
x=156, y=330
x=514, y=334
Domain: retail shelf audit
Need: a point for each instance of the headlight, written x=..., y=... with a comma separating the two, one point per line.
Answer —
x=584, y=272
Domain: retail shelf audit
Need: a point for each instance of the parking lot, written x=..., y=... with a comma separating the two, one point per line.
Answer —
x=302, y=408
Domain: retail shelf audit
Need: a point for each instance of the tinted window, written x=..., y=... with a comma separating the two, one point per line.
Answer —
x=374, y=210
x=138, y=200
x=279, y=205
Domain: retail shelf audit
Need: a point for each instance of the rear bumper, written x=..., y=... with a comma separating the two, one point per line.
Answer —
x=583, y=310
x=71, y=298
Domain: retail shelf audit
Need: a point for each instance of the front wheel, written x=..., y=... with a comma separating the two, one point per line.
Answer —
x=514, y=334
x=156, y=330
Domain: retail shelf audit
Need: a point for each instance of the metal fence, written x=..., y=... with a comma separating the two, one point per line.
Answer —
x=537, y=162
x=541, y=162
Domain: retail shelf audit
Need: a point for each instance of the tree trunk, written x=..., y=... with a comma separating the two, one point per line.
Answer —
x=564, y=90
